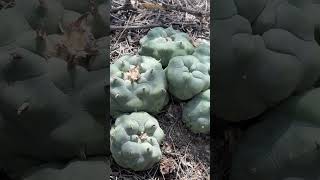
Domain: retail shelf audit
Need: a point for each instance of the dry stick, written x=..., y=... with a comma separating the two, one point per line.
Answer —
x=183, y=9
x=128, y=6
x=114, y=28
x=124, y=7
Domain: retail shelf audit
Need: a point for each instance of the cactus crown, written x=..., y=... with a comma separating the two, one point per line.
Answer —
x=135, y=140
x=133, y=74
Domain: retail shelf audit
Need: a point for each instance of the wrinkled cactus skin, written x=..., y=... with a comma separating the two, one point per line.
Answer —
x=263, y=55
x=81, y=6
x=187, y=77
x=13, y=28
x=98, y=21
x=93, y=168
x=52, y=106
x=53, y=64
x=137, y=83
x=285, y=143
x=134, y=141
x=69, y=17
x=44, y=14
x=202, y=52
x=196, y=113
x=164, y=44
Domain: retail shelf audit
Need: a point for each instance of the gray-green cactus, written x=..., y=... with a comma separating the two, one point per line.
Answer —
x=13, y=25
x=46, y=14
x=202, y=52
x=187, y=76
x=285, y=143
x=138, y=83
x=69, y=17
x=52, y=81
x=94, y=168
x=134, y=141
x=164, y=44
x=34, y=41
x=81, y=6
x=196, y=113
x=98, y=21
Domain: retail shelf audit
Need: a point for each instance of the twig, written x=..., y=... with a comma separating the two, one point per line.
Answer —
x=114, y=28
x=168, y=7
x=126, y=6
x=183, y=9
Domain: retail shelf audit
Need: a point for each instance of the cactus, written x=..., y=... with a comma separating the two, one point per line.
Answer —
x=137, y=83
x=52, y=78
x=98, y=21
x=69, y=17
x=202, y=52
x=262, y=57
x=81, y=6
x=164, y=44
x=38, y=103
x=14, y=25
x=134, y=141
x=196, y=113
x=45, y=14
x=285, y=143
x=94, y=168
x=187, y=77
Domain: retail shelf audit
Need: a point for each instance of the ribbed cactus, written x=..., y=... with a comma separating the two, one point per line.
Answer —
x=285, y=142
x=45, y=14
x=53, y=63
x=137, y=83
x=164, y=44
x=94, y=168
x=14, y=26
x=52, y=106
x=134, y=141
x=202, y=52
x=81, y=6
x=187, y=77
x=196, y=113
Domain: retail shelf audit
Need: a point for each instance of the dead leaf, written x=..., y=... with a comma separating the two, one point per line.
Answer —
x=167, y=165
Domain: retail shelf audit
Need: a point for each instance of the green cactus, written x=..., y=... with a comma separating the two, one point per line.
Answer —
x=34, y=41
x=69, y=17
x=13, y=25
x=53, y=106
x=45, y=14
x=285, y=142
x=187, y=76
x=98, y=21
x=138, y=83
x=94, y=168
x=202, y=52
x=134, y=141
x=196, y=113
x=81, y=6
x=52, y=79
x=164, y=44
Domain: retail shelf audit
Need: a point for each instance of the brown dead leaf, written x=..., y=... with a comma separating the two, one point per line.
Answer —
x=152, y=6
x=167, y=165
